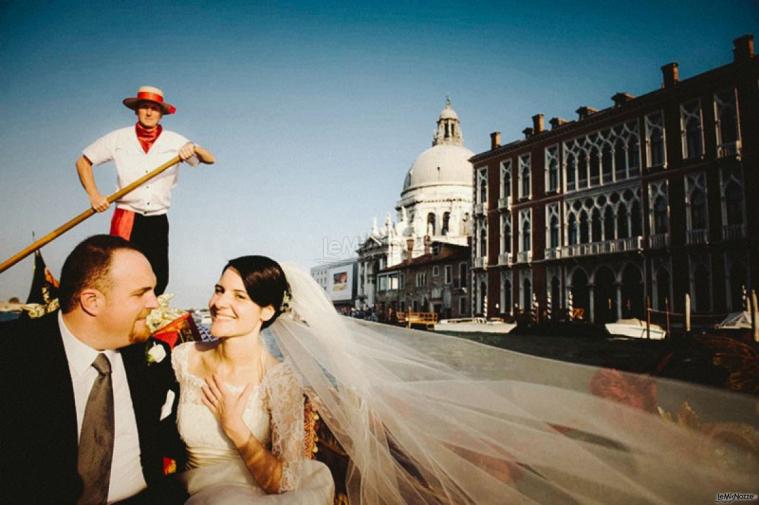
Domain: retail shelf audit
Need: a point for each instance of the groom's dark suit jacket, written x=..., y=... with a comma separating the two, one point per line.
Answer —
x=38, y=449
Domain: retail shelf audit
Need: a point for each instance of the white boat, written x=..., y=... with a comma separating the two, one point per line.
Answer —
x=474, y=325
x=636, y=328
x=738, y=321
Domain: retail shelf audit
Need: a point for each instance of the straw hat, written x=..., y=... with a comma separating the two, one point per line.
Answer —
x=149, y=94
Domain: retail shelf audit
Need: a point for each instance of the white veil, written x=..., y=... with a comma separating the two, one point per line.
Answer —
x=466, y=423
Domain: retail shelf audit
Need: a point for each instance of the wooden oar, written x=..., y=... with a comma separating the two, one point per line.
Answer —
x=84, y=215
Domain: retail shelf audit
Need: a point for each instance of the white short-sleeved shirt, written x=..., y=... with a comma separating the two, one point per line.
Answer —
x=122, y=147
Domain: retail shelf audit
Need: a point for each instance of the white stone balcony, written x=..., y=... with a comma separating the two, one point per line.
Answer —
x=552, y=253
x=504, y=203
x=479, y=208
x=658, y=241
x=480, y=261
x=569, y=251
x=733, y=232
x=524, y=256
x=602, y=247
x=505, y=259
x=697, y=237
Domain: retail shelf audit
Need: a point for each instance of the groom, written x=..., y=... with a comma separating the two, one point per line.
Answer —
x=82, y=407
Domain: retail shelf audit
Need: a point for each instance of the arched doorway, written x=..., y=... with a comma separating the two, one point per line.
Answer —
x=632, y=293
x=662, y=280
x=581, y=293
x=604, y=296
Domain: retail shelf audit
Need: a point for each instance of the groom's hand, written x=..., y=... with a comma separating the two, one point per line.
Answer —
x=228, y=408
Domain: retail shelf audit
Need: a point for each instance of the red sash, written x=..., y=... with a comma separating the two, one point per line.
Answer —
x=122, y=223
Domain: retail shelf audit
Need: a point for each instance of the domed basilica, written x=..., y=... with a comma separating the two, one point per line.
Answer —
x=434, y=206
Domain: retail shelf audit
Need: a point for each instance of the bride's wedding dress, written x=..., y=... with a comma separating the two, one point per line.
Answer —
x=217, y=475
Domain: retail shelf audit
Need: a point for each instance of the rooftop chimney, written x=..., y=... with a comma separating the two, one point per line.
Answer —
x=671, y=74
x=585, y=111
x=743, y=48
x=537, y=123
x=621, y=98
x=556, y=122
x=495, y=140
x=527, y=132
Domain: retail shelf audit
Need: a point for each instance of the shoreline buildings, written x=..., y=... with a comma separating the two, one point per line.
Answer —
x=651, y=198
x=338, y=279
x=413, y=263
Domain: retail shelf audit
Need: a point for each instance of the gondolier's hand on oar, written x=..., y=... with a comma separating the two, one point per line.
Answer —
x=99, y=202
x=190, y=150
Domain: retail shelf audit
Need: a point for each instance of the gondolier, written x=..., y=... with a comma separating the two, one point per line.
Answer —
x=141, y=215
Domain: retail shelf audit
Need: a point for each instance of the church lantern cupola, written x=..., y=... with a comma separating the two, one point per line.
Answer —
x=448, y=127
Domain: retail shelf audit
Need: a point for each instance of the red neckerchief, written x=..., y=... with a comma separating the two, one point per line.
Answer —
x=147, y=137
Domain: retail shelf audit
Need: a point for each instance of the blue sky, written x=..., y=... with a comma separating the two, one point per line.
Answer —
x=315, y=110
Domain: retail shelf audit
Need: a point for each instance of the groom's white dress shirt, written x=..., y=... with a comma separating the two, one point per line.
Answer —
x=126, y=470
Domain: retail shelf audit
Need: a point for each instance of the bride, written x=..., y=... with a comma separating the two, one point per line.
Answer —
x=240, y=410
x=431, y=419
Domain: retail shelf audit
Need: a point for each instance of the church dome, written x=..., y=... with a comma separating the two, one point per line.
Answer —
x=442, y=164
x=447, y=161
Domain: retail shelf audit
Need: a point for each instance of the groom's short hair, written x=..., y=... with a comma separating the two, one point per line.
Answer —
x=87, y=266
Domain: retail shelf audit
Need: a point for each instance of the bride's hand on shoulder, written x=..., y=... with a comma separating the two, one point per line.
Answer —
x=228, y=407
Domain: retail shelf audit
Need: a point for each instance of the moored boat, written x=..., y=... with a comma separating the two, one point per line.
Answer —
x=474, y=325
x=738, y=321
x=635, y=328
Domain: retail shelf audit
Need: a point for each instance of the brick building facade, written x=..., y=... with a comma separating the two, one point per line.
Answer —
x=652, y=197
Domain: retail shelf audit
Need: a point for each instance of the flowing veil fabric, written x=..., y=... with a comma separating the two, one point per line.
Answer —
x=431, y=419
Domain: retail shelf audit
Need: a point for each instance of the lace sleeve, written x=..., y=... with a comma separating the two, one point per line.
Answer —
x=285, y=398
x=179, y=357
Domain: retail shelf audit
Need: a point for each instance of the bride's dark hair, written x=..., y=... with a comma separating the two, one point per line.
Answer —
x=264, y=281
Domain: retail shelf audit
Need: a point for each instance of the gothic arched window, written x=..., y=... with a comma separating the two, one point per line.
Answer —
x=608, y=223
x=526, y=242
x=620, y=158
x=596, y=226
x=572, y=230
x=571, y=169
x=507, y=233
x=584, y=231
x=607, y=163
x=660, y=215
x=582, y=169
x=554, y=232
x=623, y=230
x=636, y=219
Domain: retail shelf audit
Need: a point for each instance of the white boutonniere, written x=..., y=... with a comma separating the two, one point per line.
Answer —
x=155, y=353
